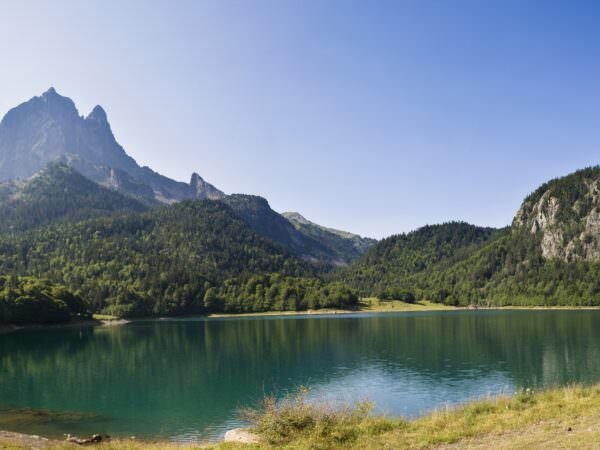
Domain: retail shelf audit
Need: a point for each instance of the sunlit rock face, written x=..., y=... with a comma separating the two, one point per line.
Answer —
x=49, y=128
x=564, y=215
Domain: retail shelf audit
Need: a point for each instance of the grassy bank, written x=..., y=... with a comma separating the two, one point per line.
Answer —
x=373, y=305
x=366, y=305
x=561, y=418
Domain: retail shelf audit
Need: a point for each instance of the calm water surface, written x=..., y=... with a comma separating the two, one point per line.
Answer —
x=186, y=379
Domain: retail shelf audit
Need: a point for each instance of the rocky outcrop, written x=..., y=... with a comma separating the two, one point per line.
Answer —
x=49, y=128
x=564, y=215
x=203, y=190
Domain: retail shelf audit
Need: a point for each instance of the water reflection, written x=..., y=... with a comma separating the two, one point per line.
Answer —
x=187, y=378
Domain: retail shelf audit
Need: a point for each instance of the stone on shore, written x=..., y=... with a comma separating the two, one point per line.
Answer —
x=242, y=436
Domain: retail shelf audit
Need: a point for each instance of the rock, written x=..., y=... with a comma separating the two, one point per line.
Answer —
x=95, y=439
x=242, y=436
x=564, y=214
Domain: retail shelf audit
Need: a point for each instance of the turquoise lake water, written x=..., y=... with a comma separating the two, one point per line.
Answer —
x=186, y=379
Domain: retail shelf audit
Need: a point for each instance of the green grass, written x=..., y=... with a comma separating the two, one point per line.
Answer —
x=567, y=417
x=375, y=305
x=106, y=317
x=561, y=418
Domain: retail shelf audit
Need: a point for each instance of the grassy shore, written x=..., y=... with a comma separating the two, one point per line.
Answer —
x=560, y=418
x=373, y=305
x=366, y=305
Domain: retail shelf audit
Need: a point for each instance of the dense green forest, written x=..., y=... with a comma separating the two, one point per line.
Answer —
x=548, y=257
x=507, y=269
x=257, y=213
x=115, y=255
x=57, y=193
x=163, y=261
x=389, y=264
x=275, y=292
x=33, y=300
x=511, y=271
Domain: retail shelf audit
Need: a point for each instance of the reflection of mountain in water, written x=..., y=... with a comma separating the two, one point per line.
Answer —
x=178, y=377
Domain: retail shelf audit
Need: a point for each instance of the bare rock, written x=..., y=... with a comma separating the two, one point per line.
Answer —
x=242, y=436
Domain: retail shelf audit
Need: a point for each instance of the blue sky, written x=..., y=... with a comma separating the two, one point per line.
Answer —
x=376, y=117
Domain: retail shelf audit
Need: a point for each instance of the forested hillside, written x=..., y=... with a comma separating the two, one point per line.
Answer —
x=342, y=246
x=85, y=157
x=550, y=255
x=391, y=261
x=159, y=262
x=57, y=193
x=276, y=292
x=257, y=213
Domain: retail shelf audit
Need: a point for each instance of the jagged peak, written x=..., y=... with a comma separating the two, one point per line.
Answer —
x=98, y=114
x=54, y=100
x=203, y=189
x=51, y=91
x=195, y=179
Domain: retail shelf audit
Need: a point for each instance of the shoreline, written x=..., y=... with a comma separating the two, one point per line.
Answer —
x=395, y=306
x=565, y=417
x=11, y=328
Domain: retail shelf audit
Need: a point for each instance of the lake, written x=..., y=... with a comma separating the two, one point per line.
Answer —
x=186, y=379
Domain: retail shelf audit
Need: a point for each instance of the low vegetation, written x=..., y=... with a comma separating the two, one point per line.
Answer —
x=566, y=417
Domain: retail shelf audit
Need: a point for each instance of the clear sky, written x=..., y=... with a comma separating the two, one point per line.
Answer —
x=372, y=116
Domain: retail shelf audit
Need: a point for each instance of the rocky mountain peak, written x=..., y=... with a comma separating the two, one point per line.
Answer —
x=98, y=115
x=52, y=102
x=204, y=190
x=50, y=92
x=49, y=128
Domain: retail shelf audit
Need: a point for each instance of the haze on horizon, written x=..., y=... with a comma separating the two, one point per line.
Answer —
x=372, y=117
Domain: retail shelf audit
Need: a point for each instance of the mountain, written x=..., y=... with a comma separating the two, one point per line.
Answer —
x=49, y=128
x=344, y=246
x=549, y=256
x=162, y=261
x=391, y=261
x=564, y=216
x=57, y=192
x=258, y=214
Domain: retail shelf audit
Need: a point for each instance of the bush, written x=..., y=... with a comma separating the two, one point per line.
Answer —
x=397, y=294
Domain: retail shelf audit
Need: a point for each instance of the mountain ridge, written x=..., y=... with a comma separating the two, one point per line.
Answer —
x=48, y=129
x=344, y=245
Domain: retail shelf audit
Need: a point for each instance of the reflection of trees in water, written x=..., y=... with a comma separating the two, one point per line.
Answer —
x=204, y=369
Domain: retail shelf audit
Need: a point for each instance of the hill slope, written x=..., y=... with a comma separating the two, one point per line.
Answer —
x=158, y=262
x=343, y=246
x=258, y=214
x=48, y=129
x=549, y=256
x=57, y=193
x=392, y=260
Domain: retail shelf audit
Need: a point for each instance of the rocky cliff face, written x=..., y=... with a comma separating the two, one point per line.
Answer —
x=49, y=128
x=564, y=215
